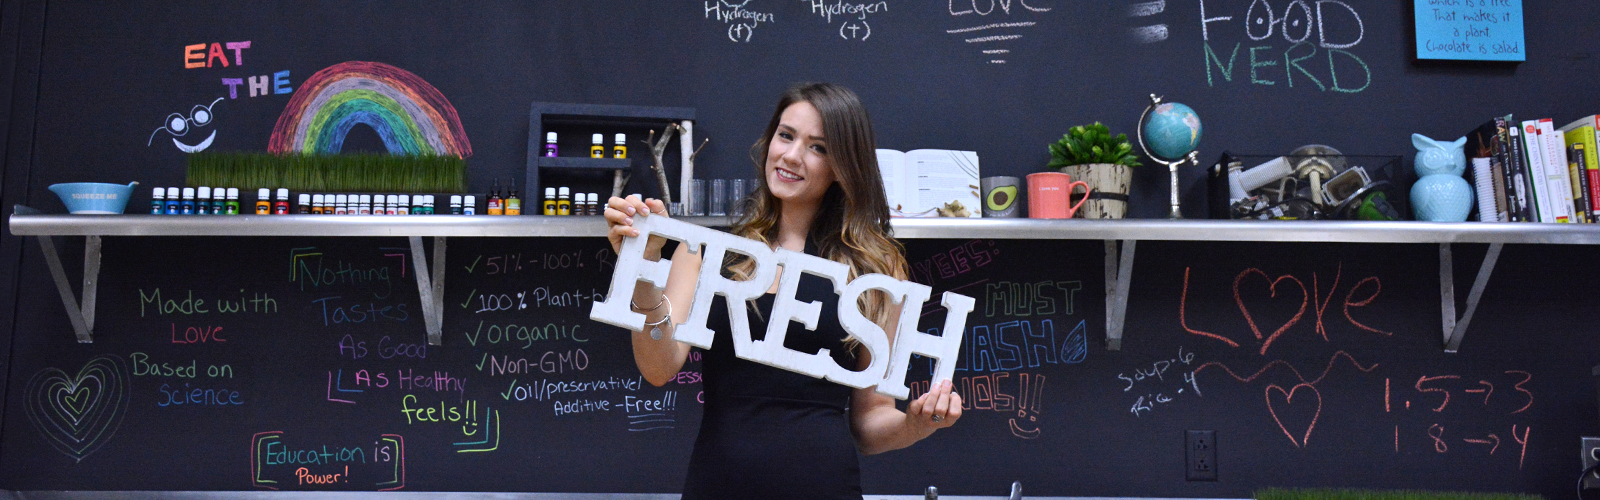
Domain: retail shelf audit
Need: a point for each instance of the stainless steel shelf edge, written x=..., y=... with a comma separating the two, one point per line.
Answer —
x=541, y=226
x=1259, y=231
x=317, y=225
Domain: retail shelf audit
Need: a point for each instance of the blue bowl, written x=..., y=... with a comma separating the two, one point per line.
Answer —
x=94, y=197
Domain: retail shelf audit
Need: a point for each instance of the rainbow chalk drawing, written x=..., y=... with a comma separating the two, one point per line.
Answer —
x=411, y=116
x=78, y=414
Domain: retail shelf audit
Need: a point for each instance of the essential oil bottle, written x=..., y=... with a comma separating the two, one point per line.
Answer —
x=549, y=201
x=264, y=201
x=597, y=147
x=620, y=148
x=469, y=205
x=202, y=201
x=302, y=204
x=219, y=201
x=233, y=201
x=550, y=144
x=363, y=205
x=513, y=203
x=563, y=201
x=493, y=204
x=158, y=201
x=174, y=201
x=280, y=206
x=455, y=204
x=186, y=207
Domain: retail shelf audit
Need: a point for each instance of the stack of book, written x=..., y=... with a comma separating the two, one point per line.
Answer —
x=1531, y=171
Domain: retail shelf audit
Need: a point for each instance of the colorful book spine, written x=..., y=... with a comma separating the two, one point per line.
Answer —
x=1583, y=133
x=1553, y=148
x=1537, y=179
x=1580, y=184
x=1502, y=157
x=1517, y=164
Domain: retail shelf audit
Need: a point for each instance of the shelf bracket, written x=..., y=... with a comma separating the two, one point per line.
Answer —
x=1454, y=329
x=1119, y=272
x=82, y=318
x=430, y=290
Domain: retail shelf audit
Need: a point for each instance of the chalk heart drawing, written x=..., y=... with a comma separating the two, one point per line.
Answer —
x=1273, y=288
x=1287, y=408
x=79, y=413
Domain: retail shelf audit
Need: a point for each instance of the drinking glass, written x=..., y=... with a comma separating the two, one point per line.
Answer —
x=697, y=198
x=719, y=198
x=736, y=198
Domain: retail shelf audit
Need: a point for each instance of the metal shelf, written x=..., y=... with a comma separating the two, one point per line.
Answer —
x=1036, y=229
x=1120, y=237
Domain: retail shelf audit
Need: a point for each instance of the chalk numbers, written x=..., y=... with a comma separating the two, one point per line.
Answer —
x=1502, y=395
x=502, y=302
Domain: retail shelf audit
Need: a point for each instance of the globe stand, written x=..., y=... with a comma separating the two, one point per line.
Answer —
x=1193, y=157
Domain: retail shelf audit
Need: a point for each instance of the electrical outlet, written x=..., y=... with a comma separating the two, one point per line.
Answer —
x=1591, y=456
x=1200, y=453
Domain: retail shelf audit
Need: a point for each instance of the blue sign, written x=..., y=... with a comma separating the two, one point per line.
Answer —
x=1472, y=30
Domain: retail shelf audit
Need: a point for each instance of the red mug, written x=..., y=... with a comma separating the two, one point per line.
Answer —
x=1050, y=195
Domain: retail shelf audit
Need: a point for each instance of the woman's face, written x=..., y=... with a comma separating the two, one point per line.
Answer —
x=798, y=169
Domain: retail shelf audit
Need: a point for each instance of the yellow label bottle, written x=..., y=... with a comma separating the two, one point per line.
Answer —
x=597, y=148
x=620, y=148
x=564, y=202
x=549, y=201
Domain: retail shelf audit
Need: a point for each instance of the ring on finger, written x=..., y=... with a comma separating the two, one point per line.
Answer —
x=938, y=418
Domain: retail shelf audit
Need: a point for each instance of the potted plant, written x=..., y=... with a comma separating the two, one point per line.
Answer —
x=1089, y=153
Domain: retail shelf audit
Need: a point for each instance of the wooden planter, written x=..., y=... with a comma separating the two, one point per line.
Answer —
x=1108, y=198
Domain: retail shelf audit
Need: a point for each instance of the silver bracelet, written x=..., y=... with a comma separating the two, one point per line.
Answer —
x=641, y=309
x=655, y=328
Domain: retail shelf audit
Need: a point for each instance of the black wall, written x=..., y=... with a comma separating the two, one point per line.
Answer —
x=87, y=80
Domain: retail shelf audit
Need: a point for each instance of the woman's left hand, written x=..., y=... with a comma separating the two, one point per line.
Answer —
x=937, y=409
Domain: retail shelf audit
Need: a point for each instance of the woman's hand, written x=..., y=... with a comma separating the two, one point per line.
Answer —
x=937, y=409
x=619, y=221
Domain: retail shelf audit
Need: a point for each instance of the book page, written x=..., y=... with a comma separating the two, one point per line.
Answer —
x=944, y=180
x=892, y=166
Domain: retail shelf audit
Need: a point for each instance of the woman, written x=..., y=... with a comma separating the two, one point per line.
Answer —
x=769, y=433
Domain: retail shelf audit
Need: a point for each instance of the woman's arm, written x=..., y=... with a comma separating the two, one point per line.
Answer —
x=878, y=426
x=658, y=360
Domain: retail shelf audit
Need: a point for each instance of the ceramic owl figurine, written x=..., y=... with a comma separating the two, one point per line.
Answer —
x=1440, y=194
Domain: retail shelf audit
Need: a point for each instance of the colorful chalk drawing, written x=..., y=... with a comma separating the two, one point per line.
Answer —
x=78, y=414
x=1297, y=429
x=411, y=116
x=276, y=464
x=179, y=125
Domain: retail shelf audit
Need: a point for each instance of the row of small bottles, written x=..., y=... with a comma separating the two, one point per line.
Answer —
x=200, y=201
x=597, y=147
x=220, y=201
x=561, y=201
x=378, y=204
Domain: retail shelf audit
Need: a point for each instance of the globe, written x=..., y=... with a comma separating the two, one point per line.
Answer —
x=1172, y=130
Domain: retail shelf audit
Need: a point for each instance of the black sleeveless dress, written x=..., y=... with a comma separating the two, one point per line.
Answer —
x=769, y=433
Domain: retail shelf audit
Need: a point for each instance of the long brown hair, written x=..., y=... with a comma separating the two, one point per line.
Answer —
x=852, y=224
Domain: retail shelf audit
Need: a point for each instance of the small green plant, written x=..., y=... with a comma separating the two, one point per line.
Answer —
x=1086, y=144
x=353, y=172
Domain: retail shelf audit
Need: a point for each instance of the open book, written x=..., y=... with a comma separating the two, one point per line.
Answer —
x=931, y=182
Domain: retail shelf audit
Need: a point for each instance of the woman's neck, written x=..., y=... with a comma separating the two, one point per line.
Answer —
x=794, y=223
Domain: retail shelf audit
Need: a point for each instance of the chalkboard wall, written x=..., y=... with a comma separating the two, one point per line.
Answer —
x=1317, y=365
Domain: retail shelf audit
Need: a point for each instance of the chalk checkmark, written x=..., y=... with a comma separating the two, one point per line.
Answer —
x=507, y=394
x=469, y=298
x=482, y=361
x=474, y=264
